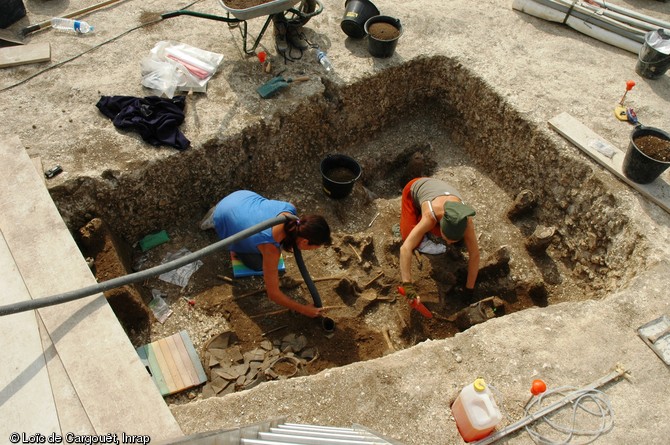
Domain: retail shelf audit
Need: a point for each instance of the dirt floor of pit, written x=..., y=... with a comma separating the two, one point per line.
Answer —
x=362, y=291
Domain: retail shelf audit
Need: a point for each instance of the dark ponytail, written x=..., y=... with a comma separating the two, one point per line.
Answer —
x=313, y=228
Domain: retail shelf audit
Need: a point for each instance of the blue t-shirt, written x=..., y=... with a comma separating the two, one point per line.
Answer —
x=243, y=209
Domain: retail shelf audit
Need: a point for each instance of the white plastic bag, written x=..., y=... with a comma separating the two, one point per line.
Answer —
x=174, y=66
x=181, y=275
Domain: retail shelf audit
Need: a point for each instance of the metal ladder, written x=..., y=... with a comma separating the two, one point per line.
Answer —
x=299, y=434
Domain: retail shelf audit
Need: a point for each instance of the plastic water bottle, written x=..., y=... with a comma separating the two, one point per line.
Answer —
x=475, y=411
x=71, y=25
x=323, y=59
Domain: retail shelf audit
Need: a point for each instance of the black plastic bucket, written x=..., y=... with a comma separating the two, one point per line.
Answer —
x=339, y=173
x=382, y=44
x=637, y=166
x=652, y=63
x=356, y=13
x=11, y=11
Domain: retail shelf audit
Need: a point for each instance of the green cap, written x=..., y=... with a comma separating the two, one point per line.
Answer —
x=455, y=219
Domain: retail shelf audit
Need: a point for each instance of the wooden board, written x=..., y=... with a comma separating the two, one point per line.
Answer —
x=600, y=149
x=22, y=55
x=173, y=363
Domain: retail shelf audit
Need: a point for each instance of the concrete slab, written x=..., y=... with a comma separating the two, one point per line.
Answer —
x=106, y=372
x=24, y=380
x=71, y=412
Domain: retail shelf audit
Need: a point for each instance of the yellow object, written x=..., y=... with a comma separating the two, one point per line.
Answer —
x=479, y=385
x=620, y=113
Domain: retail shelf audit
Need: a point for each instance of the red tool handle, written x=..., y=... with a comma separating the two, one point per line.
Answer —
x=423, y=310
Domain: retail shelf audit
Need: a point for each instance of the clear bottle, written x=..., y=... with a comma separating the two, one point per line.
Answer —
x=323, y=59
x=71, y=25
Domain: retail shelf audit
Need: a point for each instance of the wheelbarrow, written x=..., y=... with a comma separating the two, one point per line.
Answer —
x=295, y=15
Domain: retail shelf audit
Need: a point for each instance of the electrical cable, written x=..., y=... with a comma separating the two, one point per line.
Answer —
x=27, y=305
x=599, y=406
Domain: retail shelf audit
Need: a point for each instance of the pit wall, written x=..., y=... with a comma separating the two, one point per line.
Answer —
x=596, y=241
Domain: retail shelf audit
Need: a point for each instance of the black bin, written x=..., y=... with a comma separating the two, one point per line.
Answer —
x=652, y=63
x=339, y=173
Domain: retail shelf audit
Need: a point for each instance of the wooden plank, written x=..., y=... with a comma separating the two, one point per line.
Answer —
x=195, y=359
x=25, y=54
x=162, y=363
x=609, y=157
x=167, y=355
x=182, y=367
x=186, y=359
x=156, y=372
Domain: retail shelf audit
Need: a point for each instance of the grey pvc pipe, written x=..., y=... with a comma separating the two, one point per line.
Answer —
x=328, y=324
x=305, y=276
x=28, y=305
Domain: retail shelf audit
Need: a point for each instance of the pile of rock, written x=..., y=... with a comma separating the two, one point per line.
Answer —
x=230, y=369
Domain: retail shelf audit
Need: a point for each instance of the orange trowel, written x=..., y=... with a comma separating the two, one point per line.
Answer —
x=423, y=310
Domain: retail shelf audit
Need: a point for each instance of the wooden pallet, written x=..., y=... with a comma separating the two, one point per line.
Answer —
x=173, y=363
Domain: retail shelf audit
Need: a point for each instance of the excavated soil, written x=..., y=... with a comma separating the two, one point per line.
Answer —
x=357, y=276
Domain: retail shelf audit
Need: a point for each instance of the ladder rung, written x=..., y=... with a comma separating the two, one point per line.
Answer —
x=265, y=442
x=314, y=427
x=307, y=440
x=323, y=433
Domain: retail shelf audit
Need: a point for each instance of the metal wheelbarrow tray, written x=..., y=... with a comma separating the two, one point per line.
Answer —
x=269, y=8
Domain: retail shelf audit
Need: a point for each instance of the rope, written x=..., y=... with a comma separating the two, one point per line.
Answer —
x=591, y=402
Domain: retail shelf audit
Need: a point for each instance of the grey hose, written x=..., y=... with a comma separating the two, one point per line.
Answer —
x=27, y=305
x=305, y=276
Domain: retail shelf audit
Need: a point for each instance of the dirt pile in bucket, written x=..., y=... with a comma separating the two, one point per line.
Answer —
x=654, y=147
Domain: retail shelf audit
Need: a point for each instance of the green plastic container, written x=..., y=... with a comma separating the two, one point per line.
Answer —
x=153, y=240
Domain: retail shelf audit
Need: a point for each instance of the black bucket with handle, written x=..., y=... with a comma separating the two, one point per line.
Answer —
x=637, y=165
x=339, y=173
x=652, y=63
x=383, y=34
x=356, y=13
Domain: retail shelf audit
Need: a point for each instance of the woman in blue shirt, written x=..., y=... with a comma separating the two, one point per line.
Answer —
x=243, y=209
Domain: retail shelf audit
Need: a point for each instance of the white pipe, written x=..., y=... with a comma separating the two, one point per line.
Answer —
x=599, y=20
x=622, y=18
x=629, y=13
x=545, y=12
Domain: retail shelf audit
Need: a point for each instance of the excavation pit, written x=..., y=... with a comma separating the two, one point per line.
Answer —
x=429, y=117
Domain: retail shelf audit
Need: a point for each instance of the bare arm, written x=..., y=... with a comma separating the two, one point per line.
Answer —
x=271, y=278
x=411, y=242
x=473, y=254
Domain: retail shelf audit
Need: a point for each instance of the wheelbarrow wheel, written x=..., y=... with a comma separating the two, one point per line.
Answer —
x=305, y=9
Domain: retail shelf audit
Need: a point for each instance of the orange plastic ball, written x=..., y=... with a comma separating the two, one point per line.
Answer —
x=538, y=387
